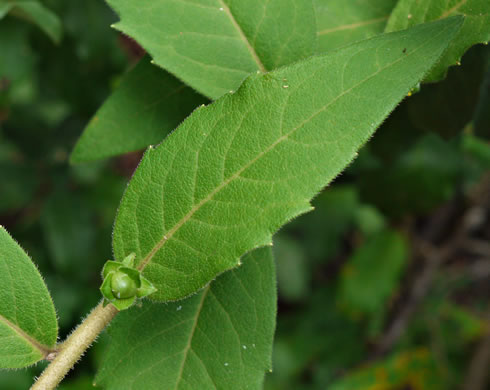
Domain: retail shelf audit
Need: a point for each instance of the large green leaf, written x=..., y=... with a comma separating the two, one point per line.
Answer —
x=212, y=45
x=35, y=12
x=147, y=105
x=475, y=29
x=28, y=327
x=237, y=170
x=220, y=338
x=340, y=22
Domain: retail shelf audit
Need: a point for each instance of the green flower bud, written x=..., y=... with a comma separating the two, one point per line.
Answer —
x=123, y=286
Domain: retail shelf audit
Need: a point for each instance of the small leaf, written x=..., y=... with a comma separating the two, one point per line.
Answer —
x=146, y=106
x=5, y=8
x=36, y=13
x=220, y=338
x=475, y=29
x=341, y=22
x=237, y=170
x=28, y=326
x=371, y=275
x=212, y=45
x=398, y=371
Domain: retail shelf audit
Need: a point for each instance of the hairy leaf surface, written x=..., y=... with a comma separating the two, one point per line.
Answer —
x=237, y=170
x=340, y=22
x=146, y=106
x=28, y=326
x=35, y=12
x=212, y=45
x=475, y=29
x=220, y=338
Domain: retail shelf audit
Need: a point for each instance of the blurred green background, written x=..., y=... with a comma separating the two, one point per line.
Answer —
x=384, y=286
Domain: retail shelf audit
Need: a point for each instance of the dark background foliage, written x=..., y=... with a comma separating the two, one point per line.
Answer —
x=385, y=286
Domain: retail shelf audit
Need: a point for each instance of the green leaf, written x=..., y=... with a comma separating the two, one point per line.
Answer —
x=28, y=327
x=340, y=22
x=399, y=371
x=146, y=106
x=372, y=274
x=475, y=29
x=213, y=45
x=5, y=8
x=220, y=338
x=36, y=13
x=237, y=170
x=447, y=107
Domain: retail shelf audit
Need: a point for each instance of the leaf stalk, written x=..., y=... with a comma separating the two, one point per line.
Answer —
x=74, y=347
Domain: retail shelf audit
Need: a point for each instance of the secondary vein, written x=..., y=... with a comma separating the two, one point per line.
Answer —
x=191, y=336
x=250, y=48
x=352, y=26
x=44, y=349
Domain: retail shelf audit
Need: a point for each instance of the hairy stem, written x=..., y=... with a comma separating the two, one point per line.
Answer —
x=74, y=346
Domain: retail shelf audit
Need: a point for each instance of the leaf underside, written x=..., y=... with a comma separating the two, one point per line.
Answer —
x=220, y=338
x=475, y=29
x=28, y=325
x=237, y=170
x=213, y=45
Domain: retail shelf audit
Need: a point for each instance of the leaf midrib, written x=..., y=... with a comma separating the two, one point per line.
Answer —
x=191, y=336
x=43, y=349
x=242, y=35
x=184, y=219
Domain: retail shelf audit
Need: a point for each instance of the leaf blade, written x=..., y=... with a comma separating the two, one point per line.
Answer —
x=28, y=326
x=36, y=13
x=230, y=39
x=221, y=337
x=147, y=105
x=475, y=29
x=340, y=22
x=237, y=175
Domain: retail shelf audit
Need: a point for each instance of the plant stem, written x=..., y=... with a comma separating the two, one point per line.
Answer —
x=74, y=346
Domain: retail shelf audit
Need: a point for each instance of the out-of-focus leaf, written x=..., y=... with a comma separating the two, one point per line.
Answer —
x=477, y=148
x=17, y=62
x=144, y=108
x=447, y=107
x=420, y=179
x=370, y=220
x=413, y=369
x=5, y=7
x=476, y=27
x=460, y=323
x=212, y=45
x=340, y=22
x=321, y=232
x=318, y=338
x=372, y=274
x=293, y=278
x=67, y=223
x=37, y=13
x=28, y=326
x=220, y=338
x=482, y=113
x=19, y=183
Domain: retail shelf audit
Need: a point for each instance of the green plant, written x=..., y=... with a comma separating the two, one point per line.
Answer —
x=290, y=113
